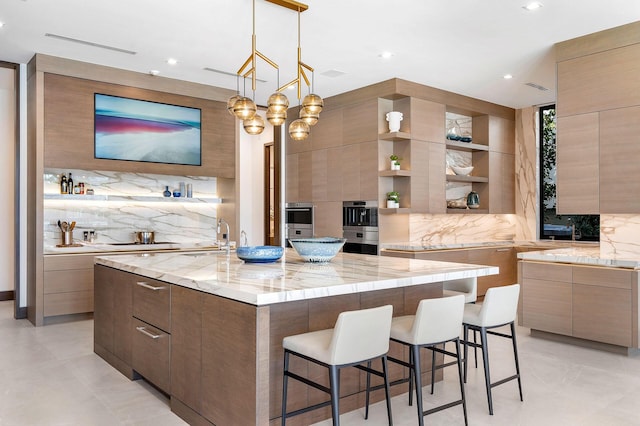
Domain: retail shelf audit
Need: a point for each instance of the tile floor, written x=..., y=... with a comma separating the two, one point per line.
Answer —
x=50, y=376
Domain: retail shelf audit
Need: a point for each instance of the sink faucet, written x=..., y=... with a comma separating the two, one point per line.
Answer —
x=225, y=236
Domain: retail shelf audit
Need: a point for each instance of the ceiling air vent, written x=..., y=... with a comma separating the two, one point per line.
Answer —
x=233, y=74
x=90, y=43
x=333, y=73
x=536, y=86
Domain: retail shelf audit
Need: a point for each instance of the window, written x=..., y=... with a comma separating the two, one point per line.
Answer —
x=552, y=225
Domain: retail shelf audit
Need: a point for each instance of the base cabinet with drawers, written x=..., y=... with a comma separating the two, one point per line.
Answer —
x=587, y=302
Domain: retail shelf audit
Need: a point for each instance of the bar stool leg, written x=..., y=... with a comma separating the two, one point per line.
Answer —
x=464, y=400
x=366, y=410
x=466, y=350
x=285, y=381
x=485, y=361
x=410, y=378
x=387, y=389
x=515, y=355
x=416, y=374
x=433, y=369
x=334, y=385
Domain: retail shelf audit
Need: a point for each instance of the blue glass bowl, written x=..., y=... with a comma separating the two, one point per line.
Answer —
x=321, y=249
x=260, y=254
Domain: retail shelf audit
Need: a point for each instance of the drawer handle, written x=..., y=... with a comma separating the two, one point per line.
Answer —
x=149, y=286
x=503, y=249
x=144, y=331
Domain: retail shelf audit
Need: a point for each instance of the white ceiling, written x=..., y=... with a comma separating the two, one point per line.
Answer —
x=464, y=46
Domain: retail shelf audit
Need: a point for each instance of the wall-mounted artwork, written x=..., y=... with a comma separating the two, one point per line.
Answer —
x=136, y=130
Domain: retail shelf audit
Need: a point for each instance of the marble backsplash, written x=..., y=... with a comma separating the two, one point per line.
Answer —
x=620, y=235
x=143, y=207
x=436, y=229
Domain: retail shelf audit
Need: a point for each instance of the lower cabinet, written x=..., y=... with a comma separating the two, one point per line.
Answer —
x=151, y=329
x=68, y=284
x=502, y=257
x=113, y=317
x=593, y=303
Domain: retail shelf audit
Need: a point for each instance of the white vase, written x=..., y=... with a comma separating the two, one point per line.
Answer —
x=392, y=204
x=395, y=165
x=394, y=118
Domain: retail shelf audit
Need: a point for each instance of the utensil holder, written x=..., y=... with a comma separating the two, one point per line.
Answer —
x=67, y=238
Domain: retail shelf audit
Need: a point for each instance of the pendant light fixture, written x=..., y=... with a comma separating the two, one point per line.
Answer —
x=312, y=104
x=245, y=108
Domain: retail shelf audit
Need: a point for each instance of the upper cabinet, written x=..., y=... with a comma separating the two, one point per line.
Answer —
x=598, y=111
x=348, y=153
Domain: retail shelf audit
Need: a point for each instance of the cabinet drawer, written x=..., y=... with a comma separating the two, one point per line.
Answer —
x=547, y=305
x=63, y=263
x=151, y=302
x=605, y=277
x=602, y=314
x=546, y=271
x=73, y=302
x=151, y=354
x=66, y=281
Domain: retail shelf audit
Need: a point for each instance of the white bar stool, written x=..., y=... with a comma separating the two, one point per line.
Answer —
x=436, y=322
x=358, y=337
x=498, y=309
x=468, y=287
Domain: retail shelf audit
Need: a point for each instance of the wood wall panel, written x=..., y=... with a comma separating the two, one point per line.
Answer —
x=69, y=128
x=334, y=174
x=350, y=172
x=369, y=170
x=327, y=132
x=305, y=171
x=328, y=219
x=292, y=194
x=619, y=152
x=359, y=122
x=427, y=120
x=502, y=134
x=599, y=82
x=319, y=175
x=578, y=164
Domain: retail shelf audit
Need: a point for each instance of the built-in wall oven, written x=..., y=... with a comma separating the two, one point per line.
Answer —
x=298, y=220
x=360, y=226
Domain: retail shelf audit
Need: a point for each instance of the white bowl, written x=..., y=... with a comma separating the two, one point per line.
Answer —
x=462, y=171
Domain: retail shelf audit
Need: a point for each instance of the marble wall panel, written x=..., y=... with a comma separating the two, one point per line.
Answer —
x=620, y=235
x=527, y=207
x=115, y=221
x=436, y=229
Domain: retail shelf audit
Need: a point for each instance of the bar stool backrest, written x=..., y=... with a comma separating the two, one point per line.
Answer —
x=438, y=320
x=500, y=305
x=361, y=335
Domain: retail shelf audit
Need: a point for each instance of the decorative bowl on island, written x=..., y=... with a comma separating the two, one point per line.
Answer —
x=259, y=254
x=321, y=249
x=462, y=171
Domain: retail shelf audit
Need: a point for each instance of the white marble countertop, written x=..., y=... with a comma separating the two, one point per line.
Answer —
x=412, y=246
x=290, y=278
x=582, y=256
x=86, y=247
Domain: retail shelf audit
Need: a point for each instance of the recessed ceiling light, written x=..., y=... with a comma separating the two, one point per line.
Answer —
x=386, y=55
x=1, y=24
x=534, y=5
x=507, y=76
x=154, y=72
x=172, y=61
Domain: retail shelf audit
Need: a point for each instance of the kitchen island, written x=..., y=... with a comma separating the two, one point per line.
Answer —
x=207, y=328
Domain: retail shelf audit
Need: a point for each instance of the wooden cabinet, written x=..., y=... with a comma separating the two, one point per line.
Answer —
x=577, y=162
x=593, y=303
x=151, y=343
x=502, y=257
x=68, y=284
x=113, y=317
x=546, y=297
x=186, y=347
x=602, y=305
x=598, y=111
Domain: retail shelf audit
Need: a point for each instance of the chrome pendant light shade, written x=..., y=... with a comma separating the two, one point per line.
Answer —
x=276, y=118
x=244, y=108
x=313, y=103
x=254, y=126
x=308, y=117
x=298, y=130
x=278, y=102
